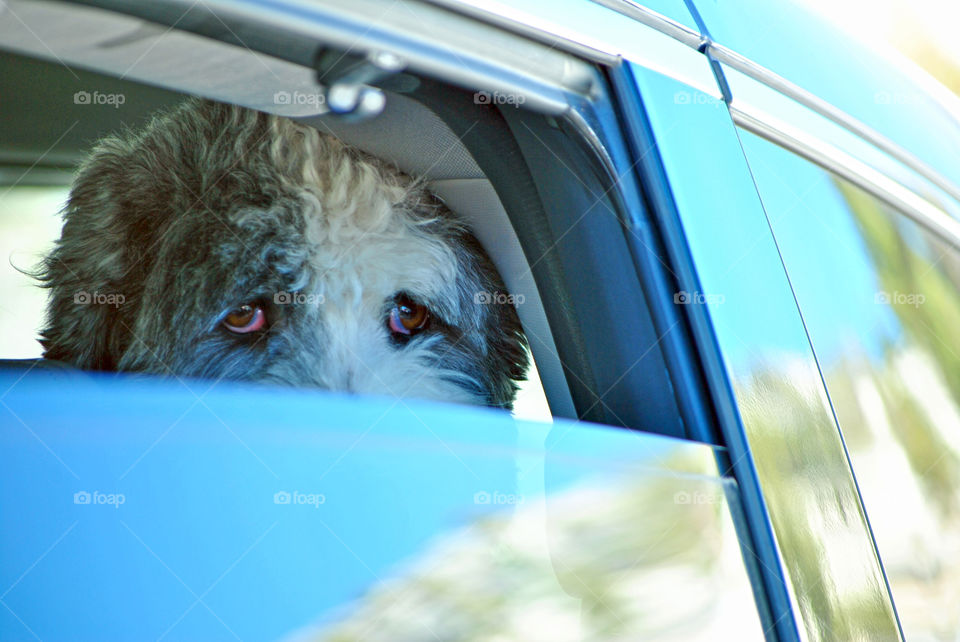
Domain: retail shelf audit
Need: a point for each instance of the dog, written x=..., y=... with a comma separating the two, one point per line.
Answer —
x=225, y=243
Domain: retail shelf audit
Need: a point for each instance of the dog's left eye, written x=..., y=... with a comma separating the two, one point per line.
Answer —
x=407, y=317
x=246, y=318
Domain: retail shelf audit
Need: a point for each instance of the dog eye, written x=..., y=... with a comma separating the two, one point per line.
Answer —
x=246, y=318
x=407, y=316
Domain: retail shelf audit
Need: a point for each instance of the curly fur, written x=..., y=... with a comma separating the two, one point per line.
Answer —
x=212, y=206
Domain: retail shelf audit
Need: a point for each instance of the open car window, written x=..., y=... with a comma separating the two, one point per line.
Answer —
x=552, y=209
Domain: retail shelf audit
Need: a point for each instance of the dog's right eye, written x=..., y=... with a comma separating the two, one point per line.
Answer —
x=407, y=317
x=246, y=318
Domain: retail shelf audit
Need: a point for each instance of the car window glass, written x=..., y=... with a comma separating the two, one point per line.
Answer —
x=880, y=297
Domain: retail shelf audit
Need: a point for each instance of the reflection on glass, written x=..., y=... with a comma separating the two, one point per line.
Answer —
x=412, y=521
x=648, y=556
x=881, y=300
x=810, y=501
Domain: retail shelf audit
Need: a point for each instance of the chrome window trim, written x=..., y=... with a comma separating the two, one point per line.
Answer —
x=542, y=32
x=833, y=113
x=657, y=21
x=661, y=43
x=767, y=104
x=539, y=32
x=852, y=169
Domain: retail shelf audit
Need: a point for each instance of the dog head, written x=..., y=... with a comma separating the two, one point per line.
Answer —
x=220, y=242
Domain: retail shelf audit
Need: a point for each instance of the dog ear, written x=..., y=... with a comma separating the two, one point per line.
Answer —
x=88, y=320
x=505, y=357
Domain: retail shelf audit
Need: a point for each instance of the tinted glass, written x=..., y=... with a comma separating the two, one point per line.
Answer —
x=879, y=296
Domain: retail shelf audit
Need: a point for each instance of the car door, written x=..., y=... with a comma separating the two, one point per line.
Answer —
x=774, y=411
x=876, y=195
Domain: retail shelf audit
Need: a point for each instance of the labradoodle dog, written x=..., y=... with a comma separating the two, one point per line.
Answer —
x=222, y=242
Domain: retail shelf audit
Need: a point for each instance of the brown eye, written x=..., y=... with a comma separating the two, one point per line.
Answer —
x=246, y=318
x=407, y=316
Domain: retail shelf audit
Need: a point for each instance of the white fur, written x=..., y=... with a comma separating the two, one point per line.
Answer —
x=364, y=248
